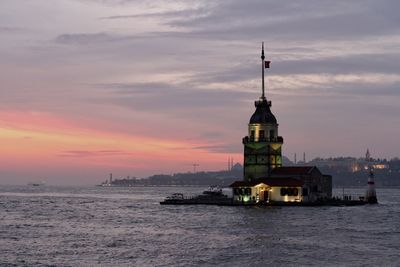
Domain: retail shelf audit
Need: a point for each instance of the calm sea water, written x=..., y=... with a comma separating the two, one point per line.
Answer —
x=61, y=226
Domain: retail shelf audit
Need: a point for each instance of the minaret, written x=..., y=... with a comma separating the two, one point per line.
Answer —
x=230, y=163
x=262, y=146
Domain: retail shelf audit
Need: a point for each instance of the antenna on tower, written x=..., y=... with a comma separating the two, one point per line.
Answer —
x=264, y=65
x=304, y=157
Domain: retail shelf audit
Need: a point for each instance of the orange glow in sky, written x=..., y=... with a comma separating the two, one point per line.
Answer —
x=38, y=140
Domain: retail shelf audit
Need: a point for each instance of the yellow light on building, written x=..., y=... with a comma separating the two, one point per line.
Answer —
x=379, y=166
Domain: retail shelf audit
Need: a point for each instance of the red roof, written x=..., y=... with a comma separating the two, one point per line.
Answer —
x=270, y=182
x=300, y=170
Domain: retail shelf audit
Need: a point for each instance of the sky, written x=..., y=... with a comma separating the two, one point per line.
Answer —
x=138, y=87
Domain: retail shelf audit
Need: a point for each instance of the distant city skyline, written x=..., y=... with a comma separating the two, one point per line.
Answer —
x=90, y=87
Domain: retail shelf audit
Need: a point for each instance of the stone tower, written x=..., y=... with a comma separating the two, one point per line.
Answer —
x=367, y=156
x=262, y=146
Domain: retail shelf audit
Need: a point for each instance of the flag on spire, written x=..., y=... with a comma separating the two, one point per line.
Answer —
x=267, y=64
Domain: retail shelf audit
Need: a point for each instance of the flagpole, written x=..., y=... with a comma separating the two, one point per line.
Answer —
x=262, y=67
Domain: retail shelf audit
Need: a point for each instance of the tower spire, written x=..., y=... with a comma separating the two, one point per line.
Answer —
x=262, y=67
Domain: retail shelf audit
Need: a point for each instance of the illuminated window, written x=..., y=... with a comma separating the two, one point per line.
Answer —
x=283, y=192
x=289, y=191
x=295, y=192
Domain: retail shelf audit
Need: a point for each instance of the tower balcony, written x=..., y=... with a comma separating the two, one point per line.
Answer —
x=247, y=139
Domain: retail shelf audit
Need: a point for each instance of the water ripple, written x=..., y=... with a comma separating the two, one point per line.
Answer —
x=51, y=226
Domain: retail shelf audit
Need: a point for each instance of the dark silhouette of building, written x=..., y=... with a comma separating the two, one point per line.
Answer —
x=264, y=178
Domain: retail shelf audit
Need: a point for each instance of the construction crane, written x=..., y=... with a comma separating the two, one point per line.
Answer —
x=194, y=166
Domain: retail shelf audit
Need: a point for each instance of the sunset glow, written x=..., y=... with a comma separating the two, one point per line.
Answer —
x=37, y=140
x=138, y=88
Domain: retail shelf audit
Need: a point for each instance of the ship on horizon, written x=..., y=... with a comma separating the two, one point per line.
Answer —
x=36, y=183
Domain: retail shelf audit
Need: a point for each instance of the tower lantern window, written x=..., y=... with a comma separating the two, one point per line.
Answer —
x=271, y=134
x=262, y=134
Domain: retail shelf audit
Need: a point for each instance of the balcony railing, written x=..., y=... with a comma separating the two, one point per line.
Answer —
x=251, y=139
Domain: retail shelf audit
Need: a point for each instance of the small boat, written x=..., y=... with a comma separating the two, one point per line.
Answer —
x=211, y=196
x=36, y=184
x=175, y=196
x=213, y=190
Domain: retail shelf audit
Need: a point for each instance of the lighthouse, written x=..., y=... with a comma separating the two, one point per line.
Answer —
x=370, y=195
x=265, y=180
x=262, y=146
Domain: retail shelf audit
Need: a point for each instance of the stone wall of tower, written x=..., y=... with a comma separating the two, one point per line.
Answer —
x=261, y=155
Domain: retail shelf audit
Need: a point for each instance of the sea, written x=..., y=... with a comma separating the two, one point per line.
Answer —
x=117, y=226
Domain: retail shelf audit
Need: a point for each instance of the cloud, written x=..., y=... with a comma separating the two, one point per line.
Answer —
x=101, y=38
x=200, y=12
x=179, y=111
x=365, y=89
x=5, y=29
x=164, y=97
x=111, y=2
x=85, y=38
x=387, y=63
x=98, y=153
x=300, y=20
x=380, y=69
x=255, y=19
x=223, y=148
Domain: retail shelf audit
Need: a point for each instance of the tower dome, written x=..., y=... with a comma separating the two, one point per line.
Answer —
x=263, y=113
